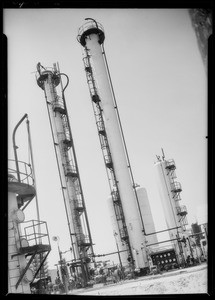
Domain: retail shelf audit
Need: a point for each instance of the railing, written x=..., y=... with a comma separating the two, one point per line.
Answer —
x=115, y=195
x=123, y=233
x=66, y=130
x=88, y=25
x=181, y=210
x=70, y=170
x=170, y=164
x=100, y=126
x=35, y=233
x=107, y=159
x=40, y=76
x=176, y=187
x=86, y=240
x=82, y=239
x=78, y=203
x=58, y=103
x=48, y=69
x=25, y=172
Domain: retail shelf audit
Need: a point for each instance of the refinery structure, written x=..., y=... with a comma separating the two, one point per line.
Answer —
x=123, y=194
x=81, y=241
x=28, y=240
x=140, y=250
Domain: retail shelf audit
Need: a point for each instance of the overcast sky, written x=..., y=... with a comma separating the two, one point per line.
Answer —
x=160, y=86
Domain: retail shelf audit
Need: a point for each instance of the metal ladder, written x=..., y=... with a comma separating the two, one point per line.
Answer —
x=113, y=183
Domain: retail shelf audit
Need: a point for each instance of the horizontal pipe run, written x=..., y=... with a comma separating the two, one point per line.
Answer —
x=161, y=231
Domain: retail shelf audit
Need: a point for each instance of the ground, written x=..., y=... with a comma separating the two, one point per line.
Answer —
x=184, y=281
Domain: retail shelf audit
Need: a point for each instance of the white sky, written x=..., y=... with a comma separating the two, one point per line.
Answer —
x=161, y=90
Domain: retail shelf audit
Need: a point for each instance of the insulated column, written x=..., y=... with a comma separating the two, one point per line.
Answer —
x=91, y=37
x=81, y=241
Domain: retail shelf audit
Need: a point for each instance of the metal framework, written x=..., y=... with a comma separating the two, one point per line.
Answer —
x=35, y=242
x=22, y=182
x=176, y=190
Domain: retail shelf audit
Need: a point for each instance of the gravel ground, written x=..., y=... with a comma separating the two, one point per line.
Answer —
x=186, y=281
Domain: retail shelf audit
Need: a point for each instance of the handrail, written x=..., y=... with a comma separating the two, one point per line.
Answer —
x=170, y=162
x=89, y=25
x=181, y=208
x=35, y=232
x=28, y=173
x=58, y=101
x=48, y=69
x=175, y=186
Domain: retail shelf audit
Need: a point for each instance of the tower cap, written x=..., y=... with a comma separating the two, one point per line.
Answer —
x=88, y=28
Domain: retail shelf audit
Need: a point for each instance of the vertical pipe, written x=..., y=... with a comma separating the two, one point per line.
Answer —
x=33, y=172
x=36, y=198
x=15, y=147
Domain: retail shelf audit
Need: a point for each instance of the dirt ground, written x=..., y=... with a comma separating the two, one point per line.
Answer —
x=184, y=281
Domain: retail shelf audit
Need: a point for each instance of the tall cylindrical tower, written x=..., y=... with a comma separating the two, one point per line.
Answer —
x=91, y=36
x=169, y=190
x=49, y=81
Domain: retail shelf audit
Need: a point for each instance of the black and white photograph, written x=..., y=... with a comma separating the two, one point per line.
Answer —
x=107, y=150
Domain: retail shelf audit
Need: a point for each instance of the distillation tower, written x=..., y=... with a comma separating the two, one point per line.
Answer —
x=49, y=80
x=27, y=239
x=170, y=193
x=123, y=194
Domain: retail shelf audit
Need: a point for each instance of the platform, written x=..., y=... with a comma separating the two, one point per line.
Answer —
x=30, y=250
x=25, y=191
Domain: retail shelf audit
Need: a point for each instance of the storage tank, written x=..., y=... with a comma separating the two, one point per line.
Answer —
x=149, y=226
x=146, y=215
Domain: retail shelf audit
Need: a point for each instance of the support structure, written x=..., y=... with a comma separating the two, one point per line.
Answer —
x=175, y=214
x=50, y=82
